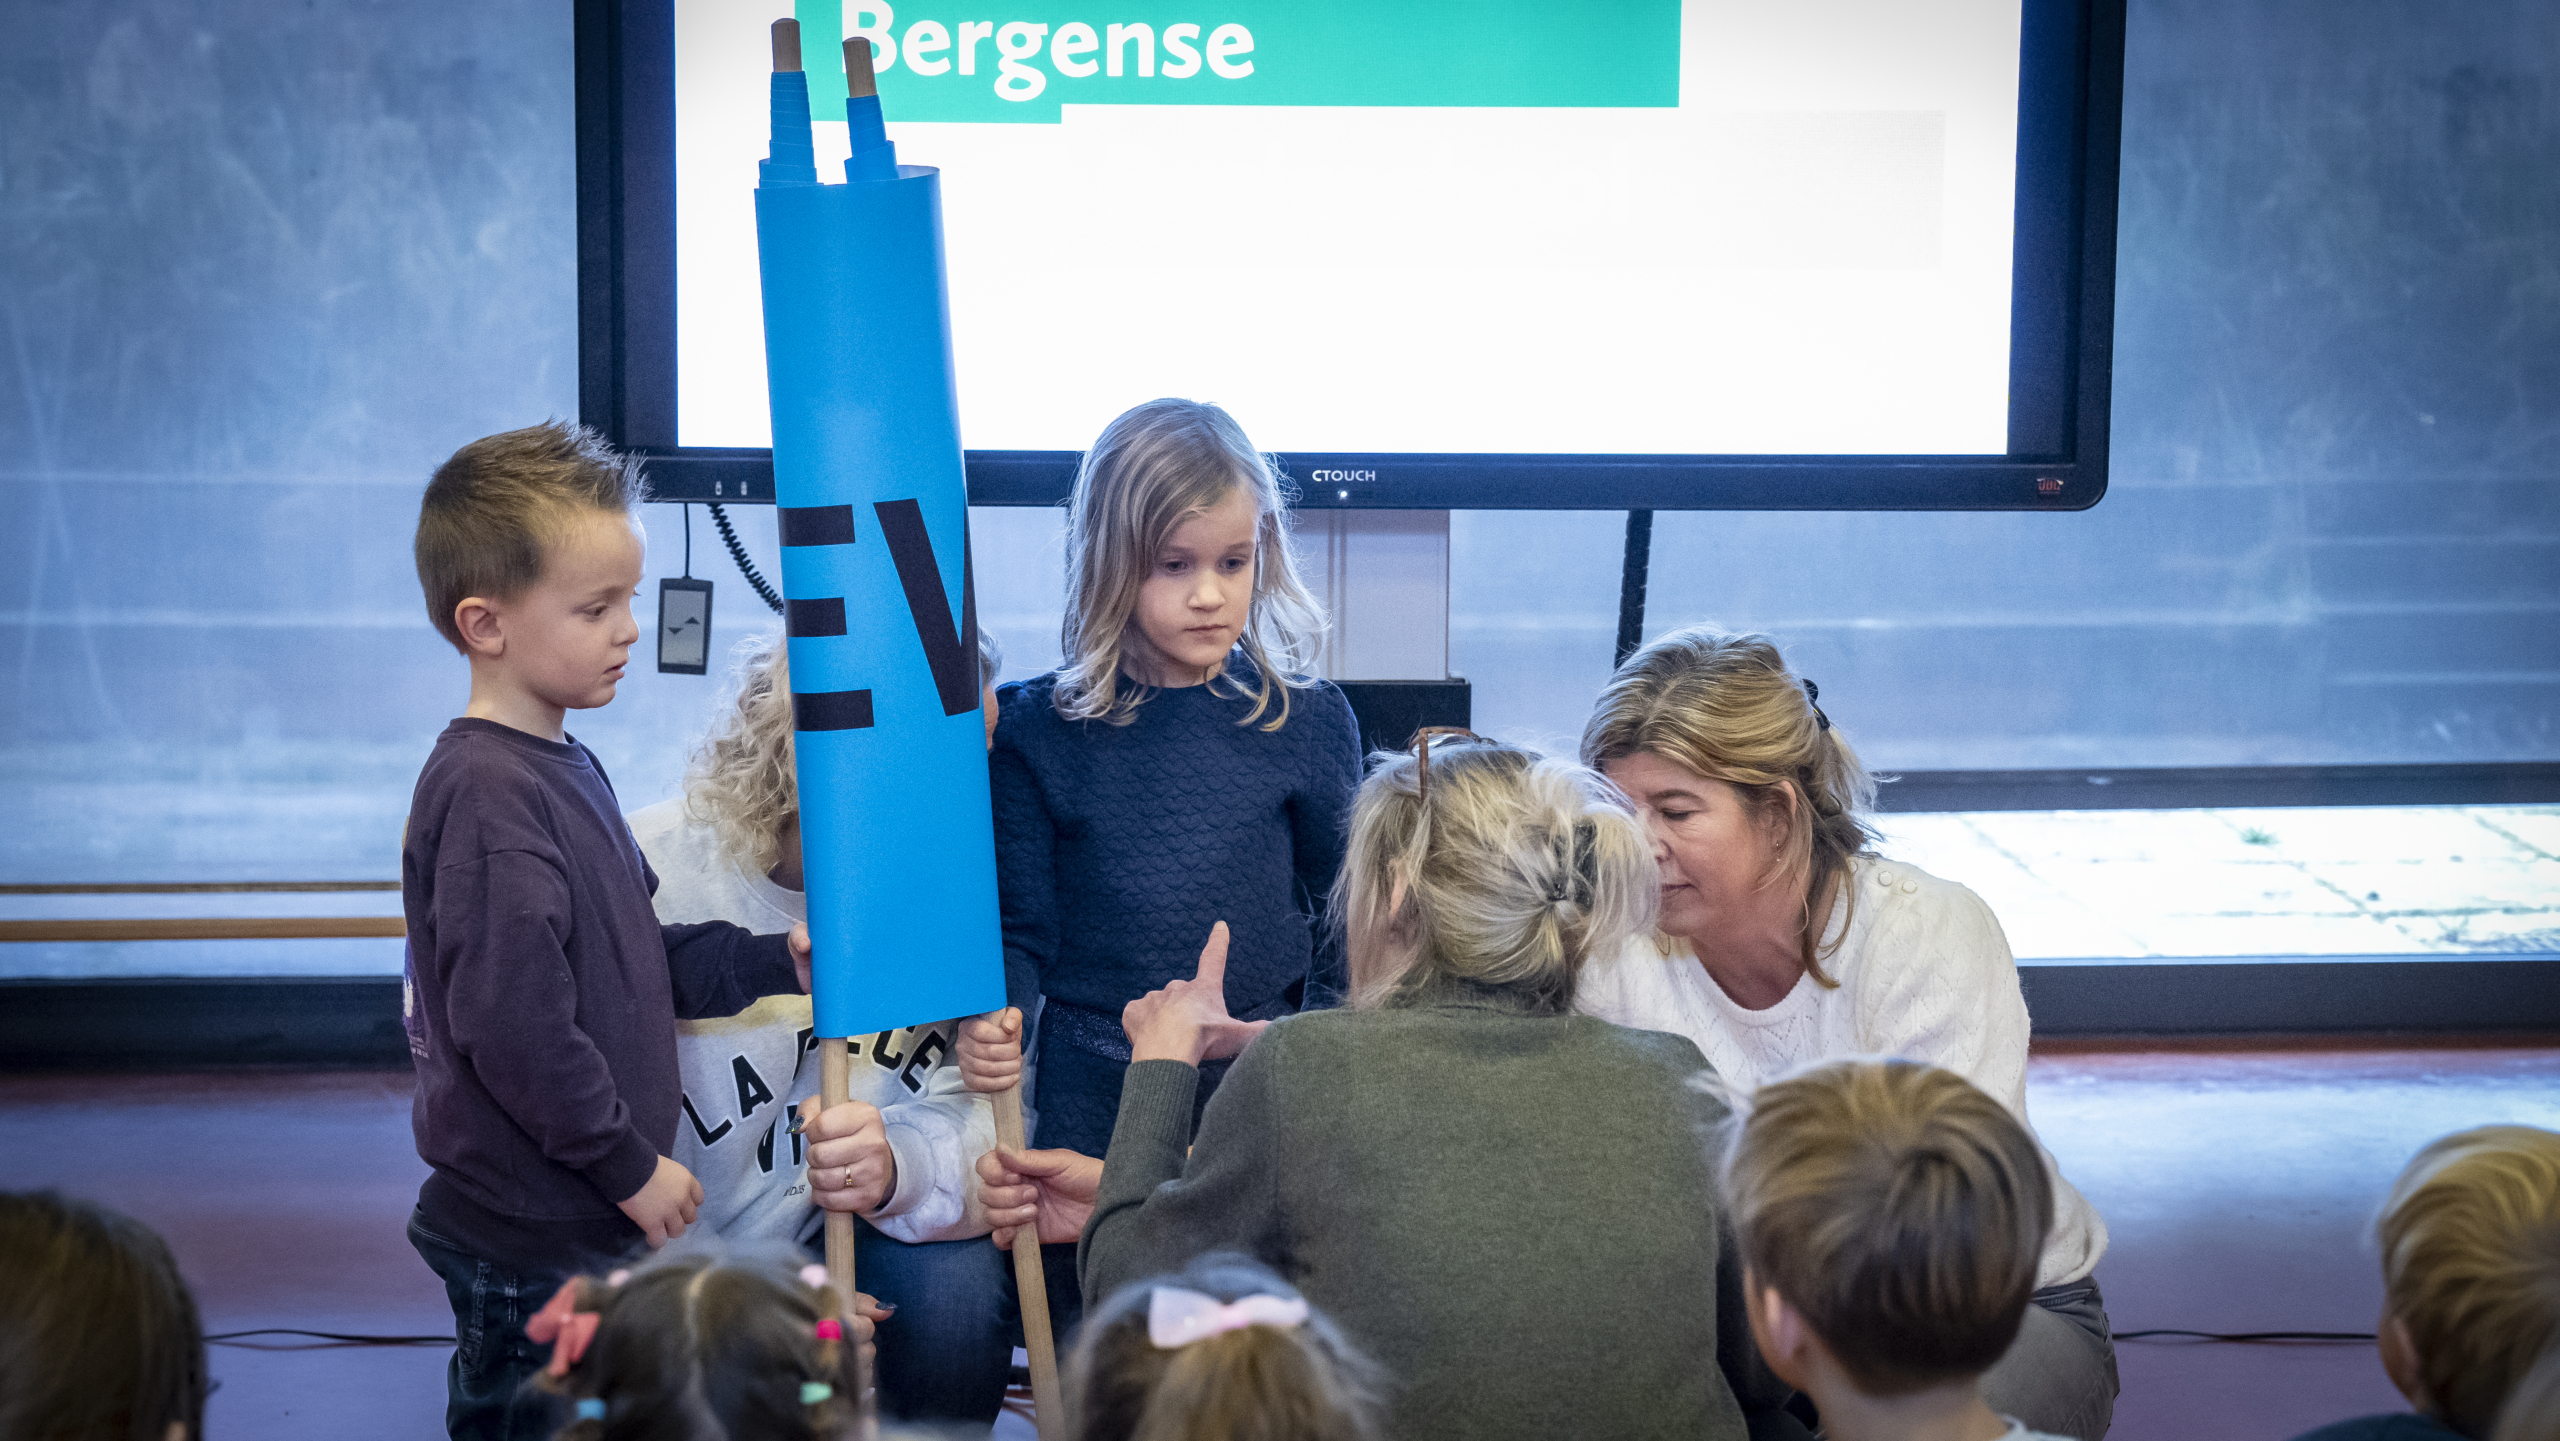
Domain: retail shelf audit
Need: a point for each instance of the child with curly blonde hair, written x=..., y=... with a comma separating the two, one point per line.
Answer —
x=898, y=1154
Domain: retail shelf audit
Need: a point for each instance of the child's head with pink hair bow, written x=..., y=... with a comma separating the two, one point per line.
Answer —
x=1224, y=1350
x=703, y=1346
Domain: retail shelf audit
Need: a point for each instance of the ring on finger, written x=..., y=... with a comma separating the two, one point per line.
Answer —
x=847, y=1183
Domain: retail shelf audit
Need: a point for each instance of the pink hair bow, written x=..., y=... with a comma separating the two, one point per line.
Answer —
x=1176, y=1317
x=565, y=1326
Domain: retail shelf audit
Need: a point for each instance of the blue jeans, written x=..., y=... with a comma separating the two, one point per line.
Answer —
x=485, y=1395
x=946, y=1354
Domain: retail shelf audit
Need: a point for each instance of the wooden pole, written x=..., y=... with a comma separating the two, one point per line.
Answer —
x=858, y=79
x=835, y=1086
x=1033, y=1284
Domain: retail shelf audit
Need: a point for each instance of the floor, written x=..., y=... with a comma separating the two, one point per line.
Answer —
x=2319, y=881
x=2238, y=1184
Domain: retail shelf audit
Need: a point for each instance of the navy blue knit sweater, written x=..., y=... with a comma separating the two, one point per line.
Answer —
x=1117, y=847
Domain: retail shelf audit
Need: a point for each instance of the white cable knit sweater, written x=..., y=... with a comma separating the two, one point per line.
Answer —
x=744, y=1074
x=1924, y=973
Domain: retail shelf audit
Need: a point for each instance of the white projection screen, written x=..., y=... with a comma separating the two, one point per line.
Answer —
x=1844, y=253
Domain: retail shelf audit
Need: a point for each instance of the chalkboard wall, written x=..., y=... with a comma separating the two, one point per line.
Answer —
x=262, y=264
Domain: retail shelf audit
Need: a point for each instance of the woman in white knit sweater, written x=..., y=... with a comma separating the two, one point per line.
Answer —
x=1786, y=940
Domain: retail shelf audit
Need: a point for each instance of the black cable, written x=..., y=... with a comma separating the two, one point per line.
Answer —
x=738, y=553
x=2246, y=1337
x=1634, y=574
x=688, y=540
x=333, y=1338
x=344, y=1338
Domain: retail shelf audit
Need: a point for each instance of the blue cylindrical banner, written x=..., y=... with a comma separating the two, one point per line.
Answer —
x=896, y=840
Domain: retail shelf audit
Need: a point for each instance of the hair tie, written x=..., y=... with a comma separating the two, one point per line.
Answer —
x=813, y=1392
x=830, y=1329
x=590, y=1408
x=814, y=1276
x=1813, y=697
x=1574, y=884
x=1177, y=1317
x=565, y=1326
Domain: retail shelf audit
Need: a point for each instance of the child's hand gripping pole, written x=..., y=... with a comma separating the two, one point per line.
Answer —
x=991, y=1062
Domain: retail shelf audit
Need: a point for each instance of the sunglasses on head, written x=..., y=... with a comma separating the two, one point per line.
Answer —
x=1421, y=749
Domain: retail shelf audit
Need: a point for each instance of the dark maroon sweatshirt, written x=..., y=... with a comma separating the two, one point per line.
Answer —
x=543, y=996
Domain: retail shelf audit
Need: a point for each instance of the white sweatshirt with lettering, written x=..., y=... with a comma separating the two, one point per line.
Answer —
x=745, y=1074
x=1925, y=974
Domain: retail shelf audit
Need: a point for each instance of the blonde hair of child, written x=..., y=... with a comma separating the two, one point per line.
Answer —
x=1726, y=707
x=740, y=780
x=1899, y=1210
x=1254, y=1383
x=1154, y=467
x=1512, y=872
x=2470, y=1239
x=493, y=507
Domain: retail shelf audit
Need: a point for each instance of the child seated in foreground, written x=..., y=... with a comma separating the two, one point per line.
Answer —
x=543, y=992
x=1890, y=1216
x=697, y=1348
x=1223, y=1350
x=2470, y=1239
x=898, y=1154
x=99, y=1339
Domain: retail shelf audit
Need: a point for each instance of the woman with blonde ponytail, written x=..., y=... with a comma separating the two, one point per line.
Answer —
x=1783, y=939
x=1506, y=1204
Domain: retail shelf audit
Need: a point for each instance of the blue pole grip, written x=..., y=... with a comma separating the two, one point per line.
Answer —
x=793, y=159
x=873, y=157
x=897, y=839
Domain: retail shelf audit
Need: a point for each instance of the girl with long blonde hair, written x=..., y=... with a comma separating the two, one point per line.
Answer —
x=1178, y=769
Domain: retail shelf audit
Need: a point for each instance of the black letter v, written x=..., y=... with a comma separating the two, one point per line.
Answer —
x=953, y=656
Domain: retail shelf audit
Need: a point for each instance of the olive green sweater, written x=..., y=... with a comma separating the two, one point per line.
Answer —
x=1516, y=1215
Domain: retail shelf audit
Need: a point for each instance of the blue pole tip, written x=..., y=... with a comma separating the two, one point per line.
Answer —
x=794, y=155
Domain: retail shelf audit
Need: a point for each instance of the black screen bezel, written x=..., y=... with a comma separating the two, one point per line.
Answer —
x=2062, y=323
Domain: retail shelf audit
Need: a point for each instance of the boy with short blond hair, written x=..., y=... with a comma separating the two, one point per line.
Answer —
x=2470, y=1238
x=1890, y=1216
x=543, y=991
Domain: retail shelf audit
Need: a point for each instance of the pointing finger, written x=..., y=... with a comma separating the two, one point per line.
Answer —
x=1213, y=957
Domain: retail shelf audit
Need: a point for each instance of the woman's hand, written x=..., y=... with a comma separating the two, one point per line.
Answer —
x=1052, y=1189
x=1187, y=1021
x=991, y=1050
x=851, y=1167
